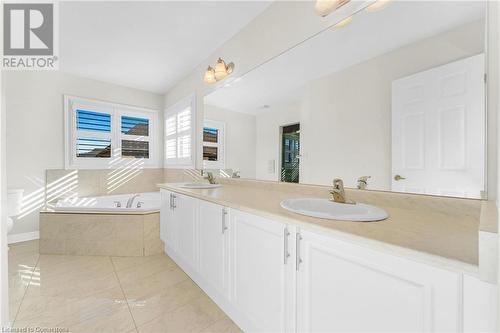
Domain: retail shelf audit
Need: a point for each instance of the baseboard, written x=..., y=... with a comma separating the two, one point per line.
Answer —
x=23, y=237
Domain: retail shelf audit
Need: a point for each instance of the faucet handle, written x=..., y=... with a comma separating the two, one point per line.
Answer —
x=363, y=182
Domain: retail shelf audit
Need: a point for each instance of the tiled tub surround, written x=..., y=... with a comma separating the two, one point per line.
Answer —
x=440, y=230
x=83, y=183
x=100, y=234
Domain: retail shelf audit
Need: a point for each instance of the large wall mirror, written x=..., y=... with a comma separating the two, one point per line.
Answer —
x=389, y=100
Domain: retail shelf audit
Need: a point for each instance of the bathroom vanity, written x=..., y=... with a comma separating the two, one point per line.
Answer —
x=380, y=102
x=273, y=270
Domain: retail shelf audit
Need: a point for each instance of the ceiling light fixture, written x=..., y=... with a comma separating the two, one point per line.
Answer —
x=326, y=7
x=220, y=72
x=377, y=5
x=344, y=22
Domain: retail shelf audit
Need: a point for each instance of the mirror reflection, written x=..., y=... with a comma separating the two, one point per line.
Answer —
x=403, y=111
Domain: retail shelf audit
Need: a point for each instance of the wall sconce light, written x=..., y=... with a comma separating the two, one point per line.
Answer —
x=220, y=72
x=326, y=7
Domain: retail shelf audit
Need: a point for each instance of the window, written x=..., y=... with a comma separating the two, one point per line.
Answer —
x=107, y=135
x=179, y=135
x=213, y=145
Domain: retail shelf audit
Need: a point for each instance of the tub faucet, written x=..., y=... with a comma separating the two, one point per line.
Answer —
x=338, y=193
x=130, y=201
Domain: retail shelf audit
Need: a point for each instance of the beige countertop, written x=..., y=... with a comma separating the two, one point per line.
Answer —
x=436, y=230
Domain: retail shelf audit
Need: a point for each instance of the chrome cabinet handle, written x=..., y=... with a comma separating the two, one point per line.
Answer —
x=174, y=206
x=171, y=201
x=286, y=233
x=298, y=261
x=224, y=213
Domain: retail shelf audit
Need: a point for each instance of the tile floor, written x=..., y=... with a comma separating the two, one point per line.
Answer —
x=107, y=294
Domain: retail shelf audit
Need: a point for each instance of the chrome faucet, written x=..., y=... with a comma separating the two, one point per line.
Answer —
x=130, y=201
x=210, y=177
x=338, y=193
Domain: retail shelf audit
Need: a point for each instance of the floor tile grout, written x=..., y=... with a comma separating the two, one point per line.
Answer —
x=123, y=293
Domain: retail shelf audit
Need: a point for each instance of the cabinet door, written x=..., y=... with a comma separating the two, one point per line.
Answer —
x=185, y=210
x=167, y=222
x=213, y=224
x=262, y=281
x=345, y=287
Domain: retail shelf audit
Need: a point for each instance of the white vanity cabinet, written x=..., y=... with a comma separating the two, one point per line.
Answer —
x=213, y=246
x=269, y=276
x=185, y=219
x=345, y=287
x=167, y=223
x=262, y=272
x=178, y=221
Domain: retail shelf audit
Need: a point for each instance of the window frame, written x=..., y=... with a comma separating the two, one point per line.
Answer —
x=220, y=145
x=188, y=162
x=116, y=110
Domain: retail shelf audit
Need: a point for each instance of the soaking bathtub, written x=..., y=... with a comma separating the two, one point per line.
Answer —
x=103, y=225
x=142, y=202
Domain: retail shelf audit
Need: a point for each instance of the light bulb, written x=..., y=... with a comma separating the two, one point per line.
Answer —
x=344, y=22
x=209, y=76
x=377, y=5
x=325, y=7
x=220, y=70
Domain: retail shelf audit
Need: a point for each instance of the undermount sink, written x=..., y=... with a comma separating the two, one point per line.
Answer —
x=327, y=209
x=200, y=185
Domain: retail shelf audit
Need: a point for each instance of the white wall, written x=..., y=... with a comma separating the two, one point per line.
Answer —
x=35, y=128
x=4, y=265
x=268, y=138
x=346, y=116
x=239, y=139
x=282, y=25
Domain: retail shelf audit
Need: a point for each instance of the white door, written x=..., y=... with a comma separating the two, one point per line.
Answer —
x=438, y=130
x=342, y=287
x=213, y=226
x=262, y=277
x=185, y=210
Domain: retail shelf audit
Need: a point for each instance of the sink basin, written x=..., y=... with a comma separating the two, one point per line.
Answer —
x=200, y=185
x=326, y=209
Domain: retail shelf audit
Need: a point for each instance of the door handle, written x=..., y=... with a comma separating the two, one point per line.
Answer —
x=398, y=178
x=286, y=233
x=224, y=213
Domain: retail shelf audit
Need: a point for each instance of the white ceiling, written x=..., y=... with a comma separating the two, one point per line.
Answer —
x=148, y=45
x=281, y=80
